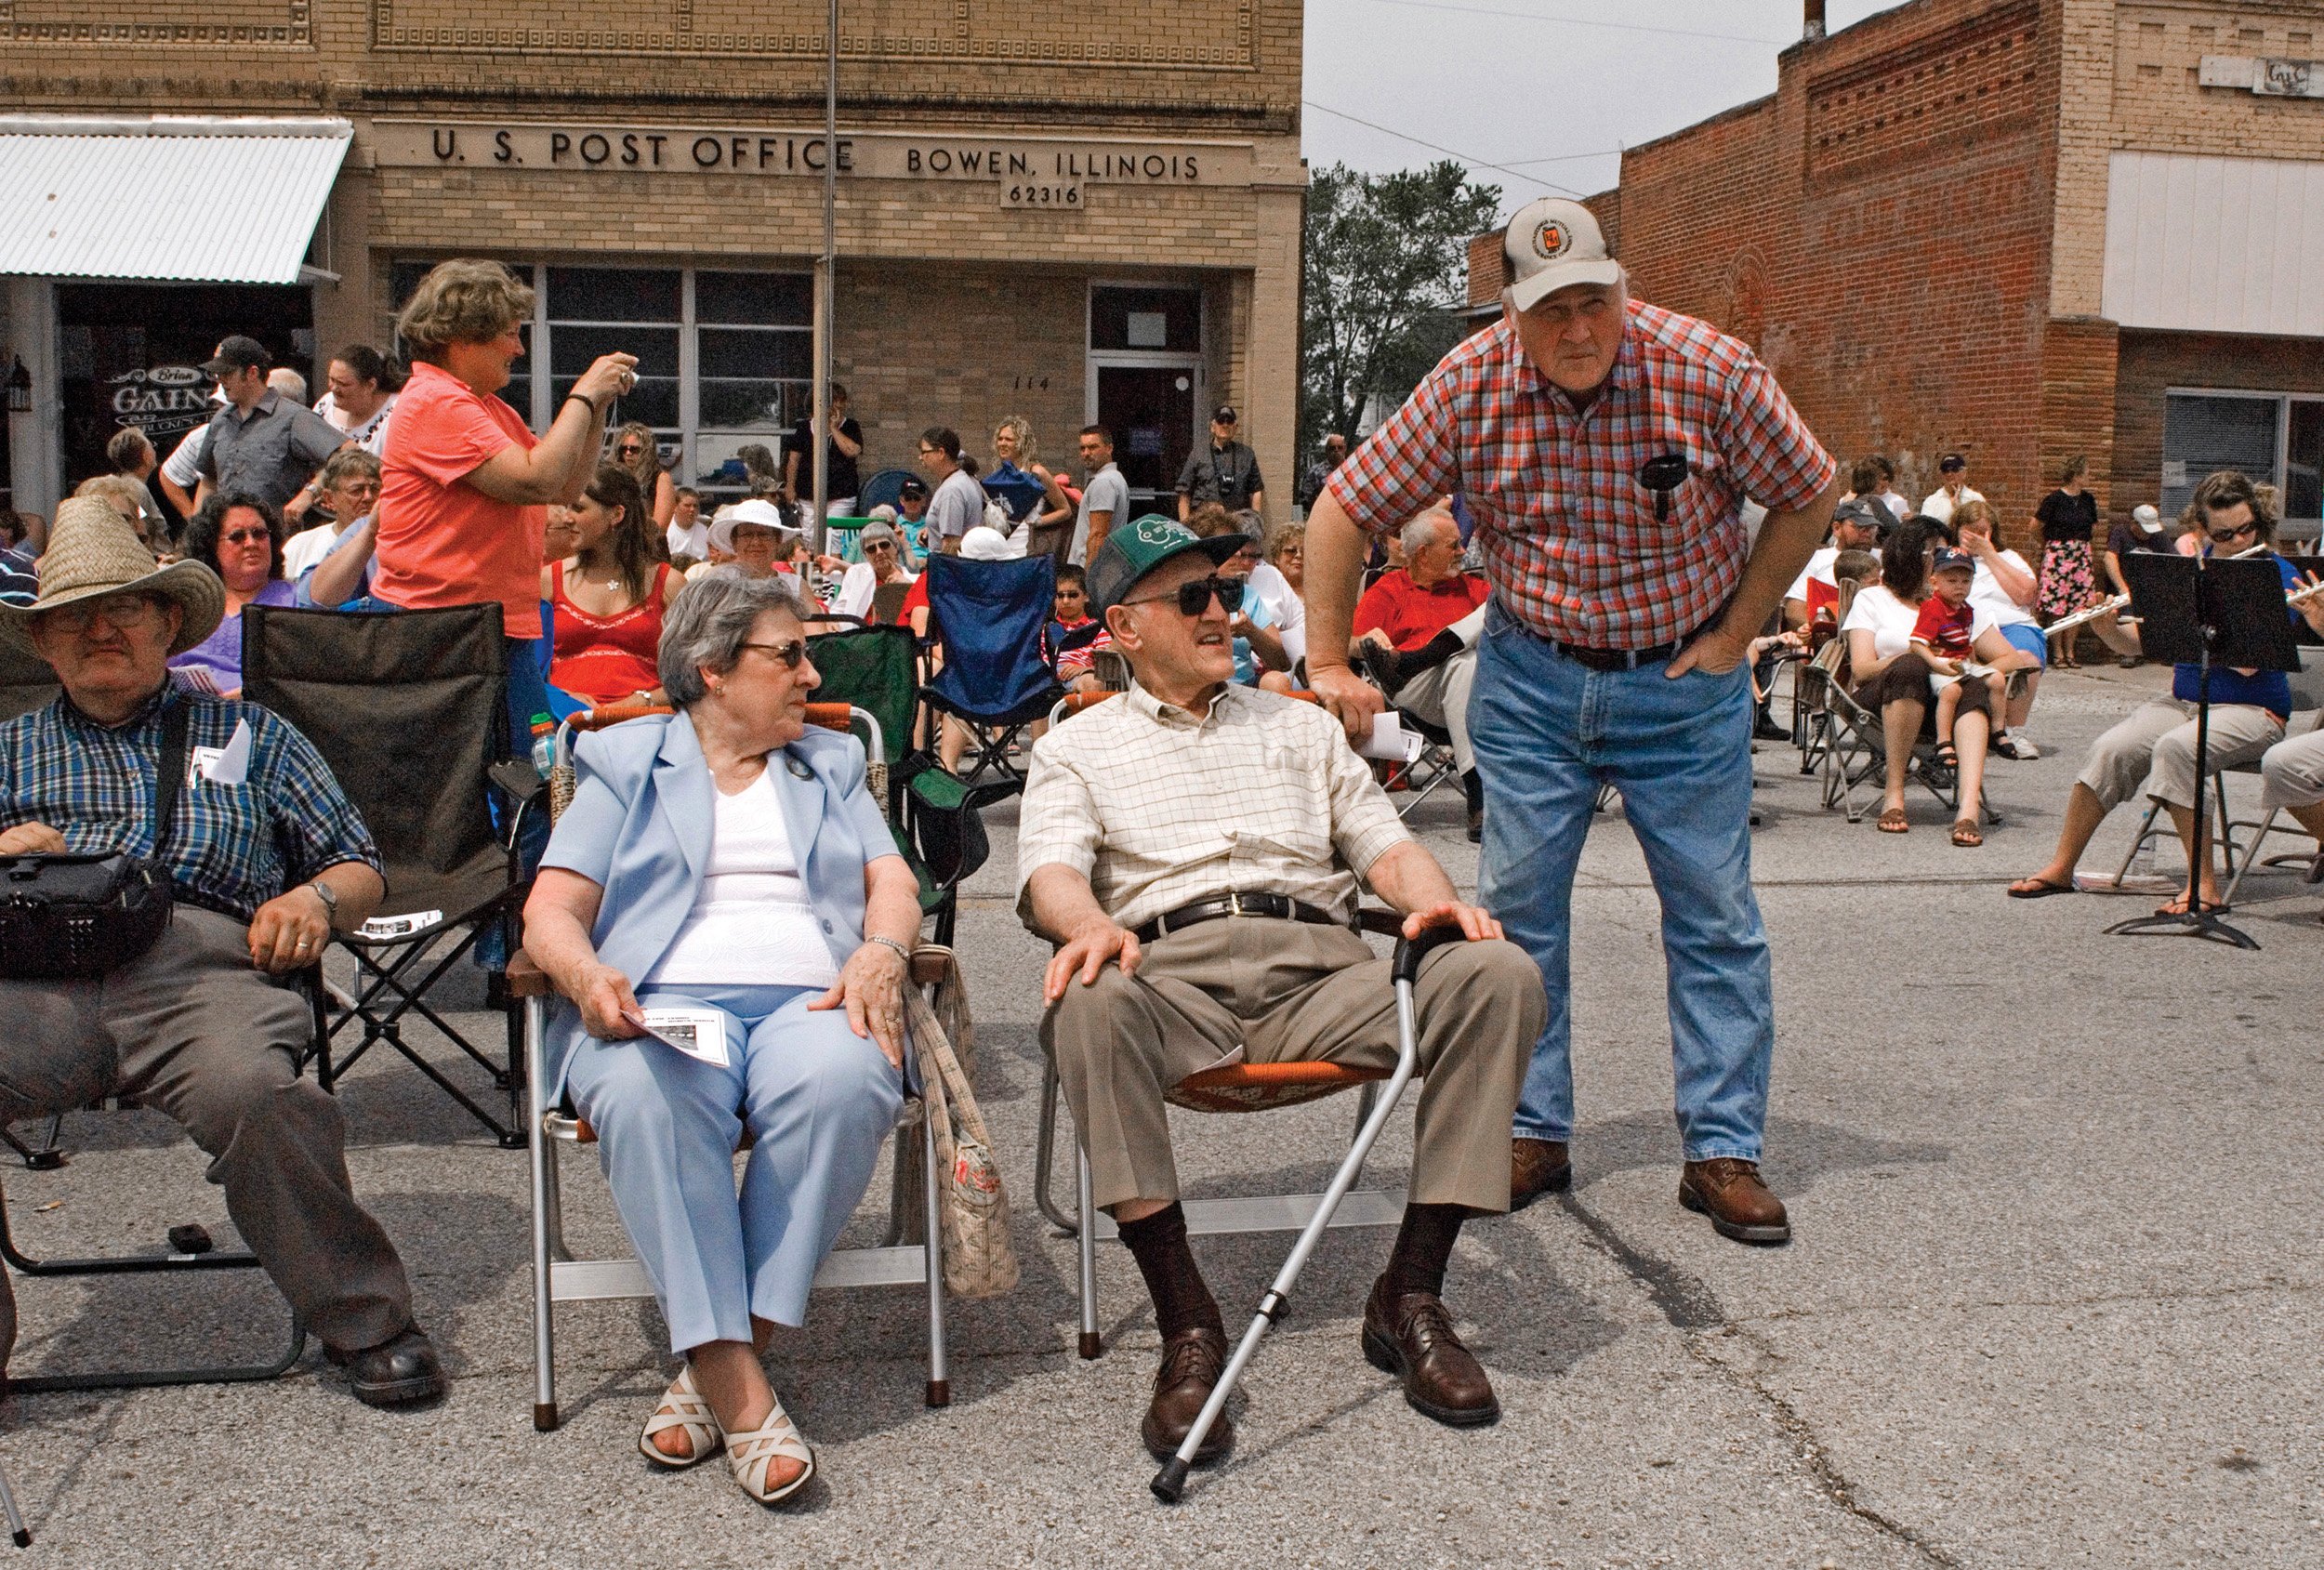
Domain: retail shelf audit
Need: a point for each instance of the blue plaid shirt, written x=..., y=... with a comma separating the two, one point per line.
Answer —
x=231, y=847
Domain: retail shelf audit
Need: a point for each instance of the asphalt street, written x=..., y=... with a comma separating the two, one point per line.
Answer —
x=2053, y=1297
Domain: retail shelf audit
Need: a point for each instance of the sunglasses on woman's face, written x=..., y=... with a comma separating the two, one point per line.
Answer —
x=244, y=536
x=881, y=545
x=790, y=655
x=2229, y=536
x=630, y=450
x=1193, y=598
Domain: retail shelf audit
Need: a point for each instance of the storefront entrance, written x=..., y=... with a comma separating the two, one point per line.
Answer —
x=131, y=355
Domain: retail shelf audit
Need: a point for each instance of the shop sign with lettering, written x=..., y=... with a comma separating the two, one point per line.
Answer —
x=161, y=399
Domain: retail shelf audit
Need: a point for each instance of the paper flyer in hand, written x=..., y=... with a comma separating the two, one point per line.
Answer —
x=698, y=1033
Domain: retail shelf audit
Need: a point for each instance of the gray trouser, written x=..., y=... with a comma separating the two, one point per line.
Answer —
x=1287, y=992
x=1441, y=697
x=2151, y=752
x=2292, y=772
x=192, y=1030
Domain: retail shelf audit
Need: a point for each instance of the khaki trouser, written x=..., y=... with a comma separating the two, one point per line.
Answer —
x=1441, y=697
x=191, y=1029
x=1287, y=992
x=2293, y=772
x=2151, y=751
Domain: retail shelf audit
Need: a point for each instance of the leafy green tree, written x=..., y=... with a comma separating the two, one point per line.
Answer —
x=1386, y=272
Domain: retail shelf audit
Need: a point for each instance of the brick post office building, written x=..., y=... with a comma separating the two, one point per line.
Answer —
x=1067, y=212
x=2020, y=229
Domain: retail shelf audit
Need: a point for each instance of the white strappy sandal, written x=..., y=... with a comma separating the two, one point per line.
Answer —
x=748, y=1455
x=682, y=1408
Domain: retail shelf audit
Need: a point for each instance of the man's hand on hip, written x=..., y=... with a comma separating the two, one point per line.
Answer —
x=1715, y=653
x=1352, y=700
x=1088, y=952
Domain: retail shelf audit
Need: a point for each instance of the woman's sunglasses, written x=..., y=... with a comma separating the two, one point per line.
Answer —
x=790, y=655
x=244, y=536
x=1193, y=598
x=2229, y=536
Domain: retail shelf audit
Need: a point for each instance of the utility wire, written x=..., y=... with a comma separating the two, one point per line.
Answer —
x=1432, y=146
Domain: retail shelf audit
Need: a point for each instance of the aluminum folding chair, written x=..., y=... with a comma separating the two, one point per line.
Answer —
x=2308, y=692
x=557, y=1277
x=18, y=1533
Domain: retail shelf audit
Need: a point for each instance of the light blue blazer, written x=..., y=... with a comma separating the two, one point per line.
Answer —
x=640, y=828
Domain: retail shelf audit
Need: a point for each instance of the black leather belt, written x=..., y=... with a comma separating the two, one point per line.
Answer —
x=1615, y=659
x=1275, y=907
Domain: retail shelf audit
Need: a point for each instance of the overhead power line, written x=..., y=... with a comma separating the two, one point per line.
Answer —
x=1584, y=21
x=1450, y=153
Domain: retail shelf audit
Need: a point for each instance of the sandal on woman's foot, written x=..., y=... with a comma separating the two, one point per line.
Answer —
x=1892, y=821
x=1965, y=834
x=2038, y=889
x=2179, y=907
x=2012, y=745
x=684, y=1409
x=1946, y=758
x=749, y=1456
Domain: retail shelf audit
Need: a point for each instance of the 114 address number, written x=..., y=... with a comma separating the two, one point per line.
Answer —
x=1021, y=194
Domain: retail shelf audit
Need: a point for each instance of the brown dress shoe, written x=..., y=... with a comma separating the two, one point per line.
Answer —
x=1412, y=1337
x=1536, y=1167
x=1739, y=1202
x=1192, y=1361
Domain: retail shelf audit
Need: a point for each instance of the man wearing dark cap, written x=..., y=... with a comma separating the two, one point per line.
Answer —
x=1952, y=489
x=1606, y=448
x=1195, y=849
x=1225, y=472
x=260, y=442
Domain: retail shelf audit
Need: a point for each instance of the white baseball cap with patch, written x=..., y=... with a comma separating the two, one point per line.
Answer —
x=1552, y=245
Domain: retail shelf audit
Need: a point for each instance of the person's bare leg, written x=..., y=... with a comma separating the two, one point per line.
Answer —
x=1900, y=727
x=2022, y=705
x=2084, y=812
x=2183, y=819
x=1948, y=706
x=1137, y=1210
x=733, y=1381
x=951, y=743
x=1971, y=732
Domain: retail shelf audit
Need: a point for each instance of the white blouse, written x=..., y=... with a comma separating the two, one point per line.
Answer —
x=750, y=924
x=1887, y=618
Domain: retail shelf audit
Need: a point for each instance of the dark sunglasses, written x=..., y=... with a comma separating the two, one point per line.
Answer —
x=881, y=545
x=1194, y=599
x=629, y=449
x=2223, y=536
x=244, y=536
x=791, y=656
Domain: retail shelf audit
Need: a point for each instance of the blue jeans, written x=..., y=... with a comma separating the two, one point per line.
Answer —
x=1548, y=732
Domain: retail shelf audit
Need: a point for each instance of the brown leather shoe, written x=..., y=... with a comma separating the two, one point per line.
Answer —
x=1412, y=1337
x=1738, y=1200
x=1192, y=1361
x=1536, y=1167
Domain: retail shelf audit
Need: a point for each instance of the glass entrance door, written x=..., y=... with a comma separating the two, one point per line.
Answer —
x=1150, y=409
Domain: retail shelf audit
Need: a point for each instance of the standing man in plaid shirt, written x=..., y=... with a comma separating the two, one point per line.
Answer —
x=1605, y=447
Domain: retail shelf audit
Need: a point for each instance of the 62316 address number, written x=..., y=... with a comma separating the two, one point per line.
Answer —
x=1021, y=194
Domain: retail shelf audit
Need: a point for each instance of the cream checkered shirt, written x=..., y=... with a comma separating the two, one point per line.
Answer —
x=1158, y=807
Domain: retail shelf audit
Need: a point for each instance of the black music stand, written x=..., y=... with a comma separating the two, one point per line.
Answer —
x=2206, y=611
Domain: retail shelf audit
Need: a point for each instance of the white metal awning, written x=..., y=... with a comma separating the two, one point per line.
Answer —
x=2215, y=244
x=190, y=199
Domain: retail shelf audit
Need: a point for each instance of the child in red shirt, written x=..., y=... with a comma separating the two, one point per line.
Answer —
x=1075, y=663
x=1942, y=636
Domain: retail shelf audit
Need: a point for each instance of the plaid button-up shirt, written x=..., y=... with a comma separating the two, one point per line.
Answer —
x=1159, y=807
x=1569, y=536
x=231, y=847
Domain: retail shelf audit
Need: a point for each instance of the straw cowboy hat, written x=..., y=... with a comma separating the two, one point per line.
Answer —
x=93, y=552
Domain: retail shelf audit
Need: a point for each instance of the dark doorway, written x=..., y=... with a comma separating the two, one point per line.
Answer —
x=1150, y=410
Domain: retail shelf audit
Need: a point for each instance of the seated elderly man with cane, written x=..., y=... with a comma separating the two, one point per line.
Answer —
x=1195, y=849
x=263, y=855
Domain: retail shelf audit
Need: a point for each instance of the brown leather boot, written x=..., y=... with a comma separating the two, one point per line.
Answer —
x=1738, y=1200
x=1192, y=1361
x=1412, y=1337
x=1536, y=1167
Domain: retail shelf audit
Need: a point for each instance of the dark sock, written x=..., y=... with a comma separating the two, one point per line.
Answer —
x=1472, y=786
x=1181, y=1299
x=1423, y=1244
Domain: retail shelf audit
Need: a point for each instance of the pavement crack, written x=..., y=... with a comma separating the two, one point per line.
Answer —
x=1692, y=1310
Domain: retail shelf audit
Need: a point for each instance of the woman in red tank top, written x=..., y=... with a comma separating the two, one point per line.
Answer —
x=609, y=596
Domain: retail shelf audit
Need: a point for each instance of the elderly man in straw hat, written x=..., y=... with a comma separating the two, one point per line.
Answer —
x=266, y=855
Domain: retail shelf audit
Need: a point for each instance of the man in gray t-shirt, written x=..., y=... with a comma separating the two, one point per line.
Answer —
x=1105, y=501
x=261, y=443
x=957, y=503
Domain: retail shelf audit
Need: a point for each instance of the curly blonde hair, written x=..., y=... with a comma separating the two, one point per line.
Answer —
x=463, y=300
x=1022, y=430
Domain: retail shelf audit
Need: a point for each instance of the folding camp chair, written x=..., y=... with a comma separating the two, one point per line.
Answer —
x=557, y=1277
x=408, y=710
x=883, y=489
x=1846, y=739
x=2308, y=692
x=26, y=682
x=18, y=1533
x=992, y=619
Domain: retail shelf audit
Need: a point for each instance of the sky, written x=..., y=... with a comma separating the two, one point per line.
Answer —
x=1550, y=90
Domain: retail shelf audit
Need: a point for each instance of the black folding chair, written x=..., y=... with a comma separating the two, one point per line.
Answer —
x=409, y=710
x=26, y=682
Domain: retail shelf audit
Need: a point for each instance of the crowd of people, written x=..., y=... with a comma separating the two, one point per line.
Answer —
x=1195, y=849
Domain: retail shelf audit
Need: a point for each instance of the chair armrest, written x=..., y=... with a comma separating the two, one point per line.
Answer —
x=525, y=979
x=930, y=964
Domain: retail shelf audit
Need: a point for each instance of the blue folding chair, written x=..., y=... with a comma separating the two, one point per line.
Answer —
x=992, y=620
x=884, y=488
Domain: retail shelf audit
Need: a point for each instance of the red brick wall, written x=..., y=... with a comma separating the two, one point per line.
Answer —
x=1880, y=230
x=1488, y=267
x=2152, y=362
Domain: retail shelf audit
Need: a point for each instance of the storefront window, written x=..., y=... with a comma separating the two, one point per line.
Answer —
x=2273, y=439
x=724, y=359
x=1148, y=319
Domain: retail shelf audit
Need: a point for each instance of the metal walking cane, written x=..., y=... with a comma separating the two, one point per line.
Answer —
x=1169, y=1483
x=20, y=1534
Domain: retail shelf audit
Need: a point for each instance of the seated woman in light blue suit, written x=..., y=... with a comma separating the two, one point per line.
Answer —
x=727, y=856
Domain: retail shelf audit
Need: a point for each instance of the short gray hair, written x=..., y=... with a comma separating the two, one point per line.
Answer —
x=1420, y=533
x=708, y=623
